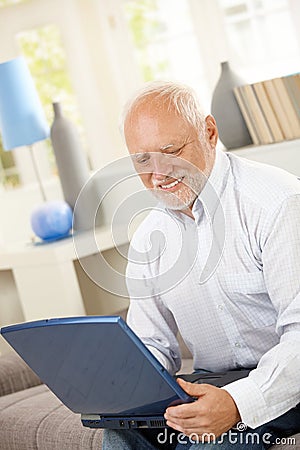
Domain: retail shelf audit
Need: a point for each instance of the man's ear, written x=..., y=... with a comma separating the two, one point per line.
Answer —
x=211, y=130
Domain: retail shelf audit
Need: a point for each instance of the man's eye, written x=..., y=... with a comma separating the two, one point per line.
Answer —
x=142, y=159
x=176, y=151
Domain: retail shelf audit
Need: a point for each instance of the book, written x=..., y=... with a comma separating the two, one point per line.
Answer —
x=246, y=114
x=268, y=112
x=287, y=106
x=292, y=84
x=278, y=109
x=264, y=133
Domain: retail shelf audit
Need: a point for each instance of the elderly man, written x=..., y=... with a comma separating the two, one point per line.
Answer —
x=223, y=269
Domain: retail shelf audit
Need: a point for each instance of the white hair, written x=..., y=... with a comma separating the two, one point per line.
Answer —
x=173, y=95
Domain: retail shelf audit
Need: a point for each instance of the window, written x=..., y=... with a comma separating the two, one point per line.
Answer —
x=165, y=45
x=261, y=36
x=45, y=56
x=187, y=39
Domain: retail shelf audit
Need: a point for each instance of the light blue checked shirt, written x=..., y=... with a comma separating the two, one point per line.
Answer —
x=229, y=281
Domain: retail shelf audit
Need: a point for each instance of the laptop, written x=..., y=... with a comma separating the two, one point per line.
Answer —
x=99, y=368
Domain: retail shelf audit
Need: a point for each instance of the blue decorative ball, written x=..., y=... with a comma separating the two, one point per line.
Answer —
x=52, y=220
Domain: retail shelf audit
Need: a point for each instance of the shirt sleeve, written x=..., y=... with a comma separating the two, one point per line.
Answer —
x=273, y=387
x=148, y=316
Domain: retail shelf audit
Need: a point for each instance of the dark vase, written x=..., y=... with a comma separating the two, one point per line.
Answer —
x=73, y=170
x=232, y=128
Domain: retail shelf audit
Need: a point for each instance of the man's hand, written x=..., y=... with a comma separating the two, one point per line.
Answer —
x=214, y=411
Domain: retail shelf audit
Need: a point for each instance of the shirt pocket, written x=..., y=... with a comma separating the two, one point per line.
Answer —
x=247, y=299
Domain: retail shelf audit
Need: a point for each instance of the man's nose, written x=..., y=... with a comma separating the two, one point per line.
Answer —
x=161, y=166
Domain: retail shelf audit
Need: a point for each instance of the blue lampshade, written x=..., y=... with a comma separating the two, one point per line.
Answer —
x=22, y=119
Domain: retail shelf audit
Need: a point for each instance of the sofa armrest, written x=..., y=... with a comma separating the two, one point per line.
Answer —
x=15, y=375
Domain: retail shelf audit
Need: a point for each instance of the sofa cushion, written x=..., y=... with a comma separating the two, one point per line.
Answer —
x=15, y=374
x=35, y=419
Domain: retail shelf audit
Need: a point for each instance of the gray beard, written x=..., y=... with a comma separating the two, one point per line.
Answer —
x=185, y=196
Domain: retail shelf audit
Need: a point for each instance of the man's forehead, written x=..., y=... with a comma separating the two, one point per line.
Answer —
x=152, y=109
x=146, y=130
x=168, y=127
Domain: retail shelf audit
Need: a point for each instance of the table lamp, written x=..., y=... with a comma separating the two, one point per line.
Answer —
x=22, y=123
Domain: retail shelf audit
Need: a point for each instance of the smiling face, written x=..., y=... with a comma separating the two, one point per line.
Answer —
x=172, y=158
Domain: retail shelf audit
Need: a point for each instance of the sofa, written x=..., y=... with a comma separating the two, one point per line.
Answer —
x=32, y=418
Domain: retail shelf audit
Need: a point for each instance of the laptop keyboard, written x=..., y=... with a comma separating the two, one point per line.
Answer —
x=216, y=379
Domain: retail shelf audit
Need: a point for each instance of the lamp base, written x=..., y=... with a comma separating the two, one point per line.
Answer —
x=51, y=221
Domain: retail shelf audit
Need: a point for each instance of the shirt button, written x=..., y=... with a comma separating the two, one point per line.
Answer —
x=236, y=344
x=220, y=307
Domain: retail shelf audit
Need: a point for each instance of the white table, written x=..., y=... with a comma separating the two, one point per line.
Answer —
x=44, y=280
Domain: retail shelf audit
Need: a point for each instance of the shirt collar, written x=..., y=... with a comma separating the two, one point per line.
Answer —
x=210, y=196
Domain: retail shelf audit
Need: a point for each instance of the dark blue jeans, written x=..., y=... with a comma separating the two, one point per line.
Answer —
x=259, y=438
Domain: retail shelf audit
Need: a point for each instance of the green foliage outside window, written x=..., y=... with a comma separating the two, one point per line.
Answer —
x=10, y=2
x=145, y=29
x=45, y=56
x=8, y=173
